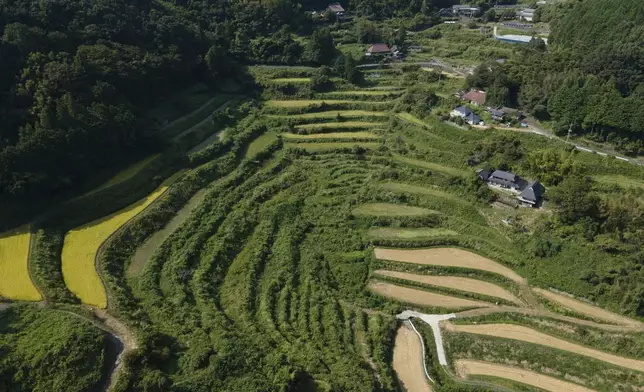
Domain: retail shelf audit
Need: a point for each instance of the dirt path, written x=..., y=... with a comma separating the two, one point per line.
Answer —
x=447, y=257
x=421, y=297
x=466, y=368
x=587, y=309
x=453, y=282
x=529, y=335
x=408, y=361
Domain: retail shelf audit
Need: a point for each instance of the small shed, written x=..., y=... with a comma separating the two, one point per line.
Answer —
x=336, y=8
x=378, y=49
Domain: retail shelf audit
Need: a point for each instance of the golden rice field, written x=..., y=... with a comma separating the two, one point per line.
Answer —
x=82, y=244
x=125, y=174
x=334, y=135
x=15, y=282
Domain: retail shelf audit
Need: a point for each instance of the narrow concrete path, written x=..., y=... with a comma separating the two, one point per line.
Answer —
x=433, y=320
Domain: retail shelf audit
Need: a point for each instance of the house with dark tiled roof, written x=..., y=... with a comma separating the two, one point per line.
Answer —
x=532, y=195
x=505, y=179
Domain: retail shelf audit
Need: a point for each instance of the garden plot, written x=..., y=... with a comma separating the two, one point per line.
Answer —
x=587, y=309
x=466, y=368
x=387, y=209
x=447, y=257
x=331, y=135
x=454, y=282
x=423, y=298
x=529, y=335
x=408, y=361
x=82, y=245
x=15, y=282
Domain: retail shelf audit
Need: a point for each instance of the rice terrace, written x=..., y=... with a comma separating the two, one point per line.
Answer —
x=306, y=229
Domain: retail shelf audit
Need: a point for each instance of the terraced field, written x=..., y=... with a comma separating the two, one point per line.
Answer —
x=15, y=282
x=279, y=260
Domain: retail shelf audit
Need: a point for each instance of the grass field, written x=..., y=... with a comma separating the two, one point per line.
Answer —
x=621, y=180
x=366, y=92
x=434, y=191
x=260, y=143
x=341, y=125
x=15, y=282
x=387, y=209
x=291, y=80
x=305, y=103
x=333, y=135
x=82, y=244
x=317, y=147
x=409, y=234
x=126, y=174
x=332, y=114
x=452, y=171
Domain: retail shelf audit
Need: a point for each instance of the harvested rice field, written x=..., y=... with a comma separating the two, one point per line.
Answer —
x=386, y=209
x=466, y=368
x=423, y=298
x=15, y=282
x=408, y=361
x=447, y=257
x=82, y=245
x=529, y=335
x=454, y=282
x=333, y=135
x=587, y=309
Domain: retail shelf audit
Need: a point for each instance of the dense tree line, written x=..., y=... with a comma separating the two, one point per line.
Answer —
x=591, y=78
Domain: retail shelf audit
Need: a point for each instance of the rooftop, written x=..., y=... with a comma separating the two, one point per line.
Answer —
x=335, y=7
x=379, y=48
x=477, y=96
x=504, y=175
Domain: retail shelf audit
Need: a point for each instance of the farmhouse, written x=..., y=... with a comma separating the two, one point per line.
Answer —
x=336, y=8
x=475, y=97
x=532, y=194
x=378, y=50
x=505, y=179
x=461, y=112
x=497, y=115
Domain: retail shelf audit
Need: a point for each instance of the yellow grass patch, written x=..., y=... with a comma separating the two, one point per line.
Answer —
x=126, y=174
x=423, y=298
x=82, y=244
x=529, y=335
x=340, y=125
x=15, y=282
x=408, y=361
x=454, y=282
x=308, y=102
x=447, y=257
x=387, y=209
x=478, y=368
x=331, y=135
x=587, y=309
